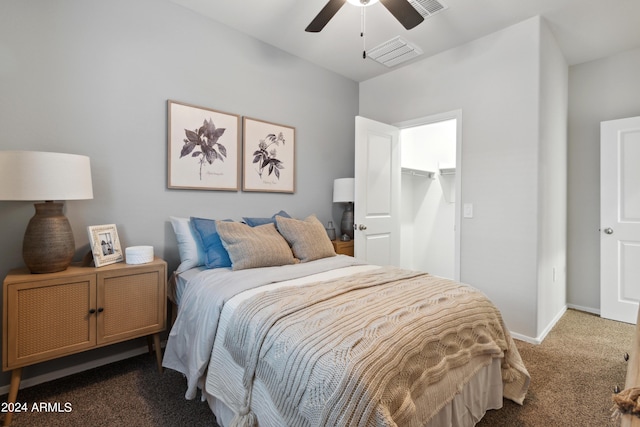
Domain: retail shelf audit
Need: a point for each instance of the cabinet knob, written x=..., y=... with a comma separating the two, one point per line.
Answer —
x=92, y=311
x=626, y=357
x=616, y=389
x=100, y=309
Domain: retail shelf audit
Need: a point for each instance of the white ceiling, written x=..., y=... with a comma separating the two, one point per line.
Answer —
x=585, y=29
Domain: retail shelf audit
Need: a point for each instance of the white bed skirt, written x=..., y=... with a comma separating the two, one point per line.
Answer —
x=483, y=392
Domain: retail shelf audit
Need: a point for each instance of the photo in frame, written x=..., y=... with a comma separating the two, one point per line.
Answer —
x=105, y=244
x=269, y=156
x=203, y=148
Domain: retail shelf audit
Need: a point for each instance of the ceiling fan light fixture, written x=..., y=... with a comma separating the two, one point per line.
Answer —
x=362, y=3
x=402, y=10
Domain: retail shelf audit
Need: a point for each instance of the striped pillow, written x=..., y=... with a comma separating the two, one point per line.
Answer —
x=308, y=238
x=252, y=247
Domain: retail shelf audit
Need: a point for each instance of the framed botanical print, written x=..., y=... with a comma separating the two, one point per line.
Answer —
x=269, y=156
x=105, y=244
x=203, y=148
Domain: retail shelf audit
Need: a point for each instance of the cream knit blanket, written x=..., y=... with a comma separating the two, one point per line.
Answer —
x=388, y=347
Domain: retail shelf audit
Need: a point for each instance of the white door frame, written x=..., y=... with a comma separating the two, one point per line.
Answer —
x=457, y=115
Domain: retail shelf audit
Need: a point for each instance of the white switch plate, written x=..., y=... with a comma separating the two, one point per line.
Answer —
x=468, y=210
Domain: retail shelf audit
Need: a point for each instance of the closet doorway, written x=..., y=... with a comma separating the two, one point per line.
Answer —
x=430, y=196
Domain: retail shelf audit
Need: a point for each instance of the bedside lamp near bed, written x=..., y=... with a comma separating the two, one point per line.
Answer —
x=343, y=192
x=48, y=244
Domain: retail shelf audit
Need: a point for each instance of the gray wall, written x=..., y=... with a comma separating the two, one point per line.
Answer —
x=552, y=183
x=601, y=90
x=495, y=81
x=93, y=77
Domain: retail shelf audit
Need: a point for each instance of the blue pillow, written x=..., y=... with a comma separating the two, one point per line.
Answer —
x=215, y=255
x=254, y=222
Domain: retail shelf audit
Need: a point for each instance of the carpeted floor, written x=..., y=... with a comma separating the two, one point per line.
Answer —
x=573, y=374
x=129, y=393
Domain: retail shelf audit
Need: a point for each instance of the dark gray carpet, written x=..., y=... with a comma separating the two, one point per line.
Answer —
x=573, y=373
x=130, y=393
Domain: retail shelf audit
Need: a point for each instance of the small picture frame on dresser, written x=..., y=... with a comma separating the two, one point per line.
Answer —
x=105, y=244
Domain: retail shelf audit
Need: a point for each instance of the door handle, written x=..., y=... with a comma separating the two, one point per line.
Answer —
x=362, y=227
x=608, y=230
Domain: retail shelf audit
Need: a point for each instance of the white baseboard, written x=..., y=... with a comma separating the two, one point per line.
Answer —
x=551, y=324
x=60, y=373
x=538, y=340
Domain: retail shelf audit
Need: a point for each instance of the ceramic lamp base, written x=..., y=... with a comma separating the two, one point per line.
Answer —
x=48, y=244
x=346, y=224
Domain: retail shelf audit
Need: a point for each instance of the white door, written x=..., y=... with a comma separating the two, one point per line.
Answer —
x=620, y=219
x=377, y=192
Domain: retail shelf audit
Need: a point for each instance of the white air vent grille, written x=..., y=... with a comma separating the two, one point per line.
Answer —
x=394, y=52
x=427, y=8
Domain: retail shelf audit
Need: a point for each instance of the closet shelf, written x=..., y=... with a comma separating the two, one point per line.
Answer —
x=418, y=172
x=448, y=170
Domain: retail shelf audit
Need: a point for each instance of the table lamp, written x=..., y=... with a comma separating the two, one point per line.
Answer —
x=343, y=190
x=48, y=244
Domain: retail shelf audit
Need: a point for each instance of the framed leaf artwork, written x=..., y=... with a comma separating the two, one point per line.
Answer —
x=269, y=156
x=203, y=148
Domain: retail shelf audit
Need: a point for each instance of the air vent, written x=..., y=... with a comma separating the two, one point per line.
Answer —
x=394, y=52
x=427, y=8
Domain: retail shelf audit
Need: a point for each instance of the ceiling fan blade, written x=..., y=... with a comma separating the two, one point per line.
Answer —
x=403, y=12
x=325, y=15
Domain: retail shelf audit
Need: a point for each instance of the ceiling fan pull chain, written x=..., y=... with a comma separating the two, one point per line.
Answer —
x=362, y=32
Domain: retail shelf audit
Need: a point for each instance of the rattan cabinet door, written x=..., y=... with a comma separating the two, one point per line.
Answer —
x=49, y=318
x=131, y=302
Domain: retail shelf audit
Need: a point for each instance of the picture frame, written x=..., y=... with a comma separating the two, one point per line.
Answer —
x=203, y=150
x=105, y=244
x=269, y=156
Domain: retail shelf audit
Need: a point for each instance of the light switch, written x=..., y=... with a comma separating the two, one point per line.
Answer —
x=468, y=210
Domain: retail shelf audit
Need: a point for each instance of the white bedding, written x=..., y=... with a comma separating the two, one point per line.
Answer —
x=199, y=354
x=193, y=334
x=183, y=279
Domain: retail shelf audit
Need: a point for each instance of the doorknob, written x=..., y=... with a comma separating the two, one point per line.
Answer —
x=362, y=227
x=608, y=230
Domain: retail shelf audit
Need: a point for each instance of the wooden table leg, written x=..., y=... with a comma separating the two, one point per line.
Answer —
x=156, y=342
x=16, y=375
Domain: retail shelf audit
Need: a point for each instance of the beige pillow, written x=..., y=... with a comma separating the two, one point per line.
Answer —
x=251, y=247
x=308, y=239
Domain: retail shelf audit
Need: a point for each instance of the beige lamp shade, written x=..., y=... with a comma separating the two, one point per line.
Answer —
x=48, y=244
x=40, y=176
x=343, y=190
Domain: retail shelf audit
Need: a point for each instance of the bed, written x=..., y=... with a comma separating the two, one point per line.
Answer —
x=318, y=339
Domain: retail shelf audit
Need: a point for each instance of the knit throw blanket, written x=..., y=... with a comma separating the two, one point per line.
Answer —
x=388, y=347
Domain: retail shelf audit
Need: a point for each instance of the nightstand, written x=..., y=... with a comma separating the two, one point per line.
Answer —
x=342, y=247
x=47, y=316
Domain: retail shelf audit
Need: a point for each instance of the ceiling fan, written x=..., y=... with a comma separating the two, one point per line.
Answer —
x=400, y=9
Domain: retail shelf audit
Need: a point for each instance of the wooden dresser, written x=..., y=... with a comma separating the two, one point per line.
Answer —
x=46, y=316
x=343, y=247
x=633, y=375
